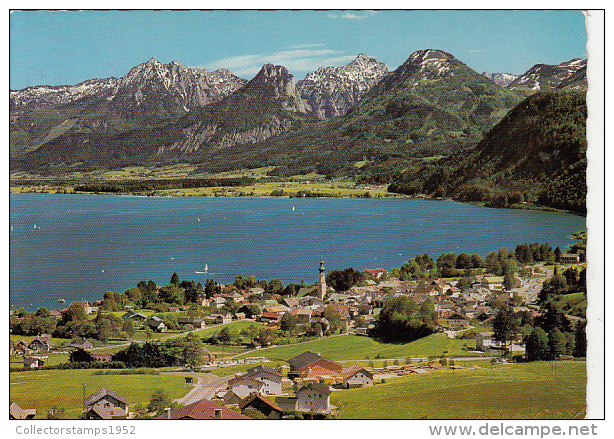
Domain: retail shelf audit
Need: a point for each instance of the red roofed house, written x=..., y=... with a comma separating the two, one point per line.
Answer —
x=202, y=409
x=376, y=272
x=261, y=404
x=270, y=317
x=309, y=364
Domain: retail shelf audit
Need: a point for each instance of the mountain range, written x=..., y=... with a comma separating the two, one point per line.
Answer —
x=433, y=104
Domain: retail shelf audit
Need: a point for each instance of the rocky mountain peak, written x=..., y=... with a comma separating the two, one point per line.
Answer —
x=275, y=82
x=501, y=79
x=331, y=91
x=549, y=76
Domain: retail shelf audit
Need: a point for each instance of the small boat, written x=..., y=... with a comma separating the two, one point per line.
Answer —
x=292, y=208
x=61, y=300
x=206, y=268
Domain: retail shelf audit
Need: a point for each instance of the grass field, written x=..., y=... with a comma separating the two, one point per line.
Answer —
x=515, y=391
x=63, y=389
x=354, y=347
x=234, y=328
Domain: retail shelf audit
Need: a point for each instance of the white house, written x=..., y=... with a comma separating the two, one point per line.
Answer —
x=357, y=377
x=314, y=397
x=484, y=340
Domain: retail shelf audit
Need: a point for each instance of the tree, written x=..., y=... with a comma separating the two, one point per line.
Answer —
x=334, y=318
x=104, y=329
x=193, y=352
x=505, y=326
x=288, y=322
x=557, y=255
x=224, y=336
x=580, y=339
x=508, y=281
x=463, y=284
x=159, y=401
x=80, y=356
x=75, y=312
x=175, y=280
x=556, y=343
x=42, y=312
x=128, y=327
x=537, y=347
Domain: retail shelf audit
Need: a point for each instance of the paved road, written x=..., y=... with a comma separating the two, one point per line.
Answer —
x=206, y=387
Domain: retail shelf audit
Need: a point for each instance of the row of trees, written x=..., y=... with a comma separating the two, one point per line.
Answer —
x=188, y=350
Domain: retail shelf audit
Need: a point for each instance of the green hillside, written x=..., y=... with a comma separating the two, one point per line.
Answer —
x=535, y=155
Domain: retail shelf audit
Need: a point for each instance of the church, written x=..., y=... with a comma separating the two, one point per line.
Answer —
x=321, y=285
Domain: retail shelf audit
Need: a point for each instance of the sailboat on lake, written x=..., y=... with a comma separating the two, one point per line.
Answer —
x=206, y=271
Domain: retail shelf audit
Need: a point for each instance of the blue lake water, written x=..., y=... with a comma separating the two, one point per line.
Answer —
x=84, y=245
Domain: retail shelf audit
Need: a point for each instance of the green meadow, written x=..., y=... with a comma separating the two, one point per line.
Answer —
x=539, y=390
x=63, y=389
x=354, y=347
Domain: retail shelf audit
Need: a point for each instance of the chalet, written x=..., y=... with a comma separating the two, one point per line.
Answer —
x=240, y=315
x=16, y=412
x=356, y=376
x=156, y=324
x=217, y=302
x=41, y=343
x=262, y=405
x=309, y=364
x=303, y=315
x=134, y=316
x=80, y=344
x=232, y=398
x=196, y=322
x=314, y=398
x=457, y=322
x=492, y=283
x=222, y=318
x=202, y=409
x=33, y=362
x=173, y=309
x=256, y=291
x=106, y=404
x=22, y=348
x=272, y=379
x=570, y=258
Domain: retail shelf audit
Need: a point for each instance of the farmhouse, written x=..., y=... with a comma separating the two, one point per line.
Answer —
x=311, y=364
x=356, y=376
x=80, y=344
x=106, y=404
x=41, y=343
x=33, y=362
x=268, y=380
x=457, y=322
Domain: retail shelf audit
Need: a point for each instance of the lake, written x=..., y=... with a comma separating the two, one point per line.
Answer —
x=76, y=247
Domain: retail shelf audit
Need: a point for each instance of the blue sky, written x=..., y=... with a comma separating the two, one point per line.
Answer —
x=68, y=47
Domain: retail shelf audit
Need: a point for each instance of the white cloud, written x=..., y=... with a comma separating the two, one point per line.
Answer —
x=353, y=15
x=298, y=59
x=475, y=51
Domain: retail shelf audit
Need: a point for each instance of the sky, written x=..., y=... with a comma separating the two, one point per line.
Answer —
x=67, y=47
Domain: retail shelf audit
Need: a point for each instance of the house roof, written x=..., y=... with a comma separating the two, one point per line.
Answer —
x=261, y=368
x=31, y=360
x=245, y=378
x=95, y=397
x=457, y=317
x=255, y=397
x=109, y=412
x=493, y=279
x=316, y=387
x=18, y=413
x=303, y=359
x=203, y=409
x=353, y=370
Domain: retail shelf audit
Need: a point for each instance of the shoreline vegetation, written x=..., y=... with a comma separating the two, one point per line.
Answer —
x=240, y=184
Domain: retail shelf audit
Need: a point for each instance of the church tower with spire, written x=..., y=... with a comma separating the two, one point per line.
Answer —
x=321, y=286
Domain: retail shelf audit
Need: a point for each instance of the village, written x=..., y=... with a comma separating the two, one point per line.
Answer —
x=300, y=386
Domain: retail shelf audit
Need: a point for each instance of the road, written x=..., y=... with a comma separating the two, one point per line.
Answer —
x=206, y=386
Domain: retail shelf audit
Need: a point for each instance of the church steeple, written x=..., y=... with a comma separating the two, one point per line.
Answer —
x=321, y=286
